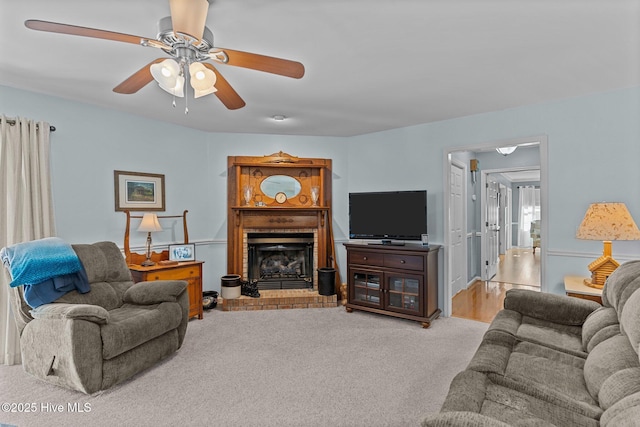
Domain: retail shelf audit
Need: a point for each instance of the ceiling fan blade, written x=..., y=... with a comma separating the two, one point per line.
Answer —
x=138, y=80
x=189, y=17
x=74, y=30
x=225, y=93
x=268, y=64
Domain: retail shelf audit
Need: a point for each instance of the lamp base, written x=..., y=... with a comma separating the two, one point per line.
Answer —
x=602, y=268
x=588, y=282
x=148, y=262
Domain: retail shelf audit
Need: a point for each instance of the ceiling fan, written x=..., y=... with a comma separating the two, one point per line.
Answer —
x=189, y=43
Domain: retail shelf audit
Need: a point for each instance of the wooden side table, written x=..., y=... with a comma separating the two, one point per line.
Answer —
x=574, y=287
x=189, y=271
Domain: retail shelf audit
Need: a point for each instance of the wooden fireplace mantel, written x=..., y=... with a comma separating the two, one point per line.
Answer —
x=266, y=214
x=280, y=217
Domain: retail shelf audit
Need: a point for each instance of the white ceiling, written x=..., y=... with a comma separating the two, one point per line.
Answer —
x=370, y=65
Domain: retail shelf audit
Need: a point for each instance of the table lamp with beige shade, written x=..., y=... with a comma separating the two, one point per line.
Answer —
x=606, y=222
x=149, y=224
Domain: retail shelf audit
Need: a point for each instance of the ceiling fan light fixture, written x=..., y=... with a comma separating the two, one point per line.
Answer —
x=177, y=89
x=202, y=79
x=199, y=93
x=167, y=74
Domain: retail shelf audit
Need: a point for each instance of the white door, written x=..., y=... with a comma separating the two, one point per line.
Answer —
x=490, y=231
x=458, y=259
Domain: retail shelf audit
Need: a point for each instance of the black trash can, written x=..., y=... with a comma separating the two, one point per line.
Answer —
x=326, y=281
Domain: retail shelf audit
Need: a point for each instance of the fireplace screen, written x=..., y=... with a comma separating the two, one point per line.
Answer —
x=281, y=261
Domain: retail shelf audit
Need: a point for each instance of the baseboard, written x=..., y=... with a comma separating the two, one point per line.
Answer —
x=469, y=284
x=474, y=280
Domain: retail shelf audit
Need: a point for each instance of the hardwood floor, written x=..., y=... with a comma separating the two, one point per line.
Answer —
x=518, y=268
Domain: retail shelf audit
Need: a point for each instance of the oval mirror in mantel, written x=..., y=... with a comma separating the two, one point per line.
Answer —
x=275, y=184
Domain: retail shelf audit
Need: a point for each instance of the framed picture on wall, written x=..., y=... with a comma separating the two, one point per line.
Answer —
x=135, y=191
x=186, y=252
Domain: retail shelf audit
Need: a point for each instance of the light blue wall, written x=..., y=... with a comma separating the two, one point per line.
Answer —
x=91, y=142
x=593, y=152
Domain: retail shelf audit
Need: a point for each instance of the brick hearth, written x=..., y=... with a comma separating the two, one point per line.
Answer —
x=279, y=299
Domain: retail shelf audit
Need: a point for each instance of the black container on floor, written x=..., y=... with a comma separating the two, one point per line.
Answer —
x=209, y=299
x=326, y=281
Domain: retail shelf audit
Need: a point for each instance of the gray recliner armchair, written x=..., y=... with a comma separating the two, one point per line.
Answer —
x=92, y=341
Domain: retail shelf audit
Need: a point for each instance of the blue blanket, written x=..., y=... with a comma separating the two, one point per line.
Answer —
x=30, y=263
x=52, y=289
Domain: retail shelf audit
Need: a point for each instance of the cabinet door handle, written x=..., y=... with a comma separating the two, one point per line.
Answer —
x=365, y=258
x=402, y=261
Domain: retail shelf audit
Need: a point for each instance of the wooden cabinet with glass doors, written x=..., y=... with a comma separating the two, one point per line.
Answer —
x=400, y=281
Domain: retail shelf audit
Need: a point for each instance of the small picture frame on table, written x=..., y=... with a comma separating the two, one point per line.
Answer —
x=184, y=252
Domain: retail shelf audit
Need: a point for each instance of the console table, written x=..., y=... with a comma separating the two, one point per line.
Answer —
x=399, y=281
x=189, y=271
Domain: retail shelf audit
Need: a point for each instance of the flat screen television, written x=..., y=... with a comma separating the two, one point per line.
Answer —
x=388, y=215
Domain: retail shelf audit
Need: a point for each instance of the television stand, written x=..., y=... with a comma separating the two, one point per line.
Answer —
x=387, y=242
x=399, y=281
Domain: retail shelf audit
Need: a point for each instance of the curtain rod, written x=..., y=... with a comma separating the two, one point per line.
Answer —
x=12, y=122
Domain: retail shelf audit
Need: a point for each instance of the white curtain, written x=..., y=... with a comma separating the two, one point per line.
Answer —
x=26, y=208
x=529, y=211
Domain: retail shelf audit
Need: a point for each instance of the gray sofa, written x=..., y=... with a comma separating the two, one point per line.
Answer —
x=553, y=360
x=92, y=341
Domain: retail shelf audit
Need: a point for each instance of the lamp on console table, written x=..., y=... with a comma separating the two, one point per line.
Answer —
x=149, y=224
x=606, y=222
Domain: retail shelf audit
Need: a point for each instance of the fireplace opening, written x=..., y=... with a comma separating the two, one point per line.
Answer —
x=280, y=260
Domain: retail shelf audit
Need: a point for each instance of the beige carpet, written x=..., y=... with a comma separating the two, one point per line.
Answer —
x=314, y=367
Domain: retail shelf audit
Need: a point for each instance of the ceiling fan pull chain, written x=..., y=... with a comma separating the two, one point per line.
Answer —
x=186, y=103
x=186, y=92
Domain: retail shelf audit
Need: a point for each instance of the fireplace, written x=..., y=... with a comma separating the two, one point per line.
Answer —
x=281, y=260
x=279, y=237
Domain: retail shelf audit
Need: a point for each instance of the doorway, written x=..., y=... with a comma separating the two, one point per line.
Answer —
x=501, y=215
x=474, y=236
